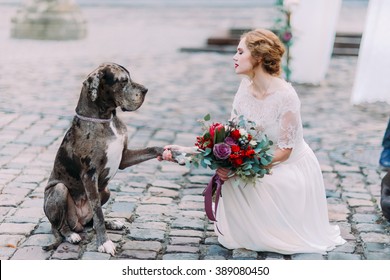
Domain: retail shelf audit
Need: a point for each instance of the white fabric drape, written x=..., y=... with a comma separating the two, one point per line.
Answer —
x=314, y=27
x=372, y=82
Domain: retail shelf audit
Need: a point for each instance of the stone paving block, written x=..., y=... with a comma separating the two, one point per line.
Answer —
x=39, y=240
x=9, y=200
x=363, y=196
x=308, y=256
x=200, y=179
x=370, y=228
x=188, y=223
x=338, y=217
x=194, y=191
x=4, y=211
x=377, y=256
x=376, y=247
x=194, y=214
x=348, y=247
x=184, y=240
x=11, y=241
x=139, y=255
x=95, y=256
x=181, y=256
x=211, y=240
x=149, y=225
x=156, y=200
x=12, y=228
x=155, y=209
x=32, y=203
x=147, y=234
x=359, y=202
x=343, y=256
x=31, y=253
x=193, y=198
x=218, y=250
x=154, y=246
x=6, y=252
x=179, y=169
x=366, y=209
x=274, y=256
x=181, y=249
x=123, y=207
x=191, y=205
x=185, y=232
x=373, y=237
x=66, y=251
x=243, y=254
x=166, y=184
x=365, y=218
x=163, y=192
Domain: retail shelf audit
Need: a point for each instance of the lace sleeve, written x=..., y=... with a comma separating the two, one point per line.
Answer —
x=289, y=121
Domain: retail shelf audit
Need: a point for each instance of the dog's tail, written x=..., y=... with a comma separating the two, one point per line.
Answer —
x=58, y=240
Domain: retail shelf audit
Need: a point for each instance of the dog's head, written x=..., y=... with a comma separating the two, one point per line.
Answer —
x=110, y=86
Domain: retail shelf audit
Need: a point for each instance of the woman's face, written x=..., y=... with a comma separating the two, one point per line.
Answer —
x=243, y=60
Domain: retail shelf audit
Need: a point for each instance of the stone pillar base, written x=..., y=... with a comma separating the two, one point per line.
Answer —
x=49, y=20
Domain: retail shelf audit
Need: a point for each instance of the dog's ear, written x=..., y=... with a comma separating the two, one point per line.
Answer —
x=92, y=84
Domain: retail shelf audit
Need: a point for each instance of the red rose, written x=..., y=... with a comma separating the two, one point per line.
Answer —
x=249, y=153
x=238, y=161
x=235, y=148
x=235, y=134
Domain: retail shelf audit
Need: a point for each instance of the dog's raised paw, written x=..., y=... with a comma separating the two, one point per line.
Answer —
x=73, y=238
x=115, y=225
x=107, y=247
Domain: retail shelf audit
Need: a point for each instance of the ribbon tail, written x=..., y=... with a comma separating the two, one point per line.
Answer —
x=208, y=200
x=208, y=197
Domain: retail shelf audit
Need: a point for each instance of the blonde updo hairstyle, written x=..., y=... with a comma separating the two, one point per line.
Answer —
x=266, y=48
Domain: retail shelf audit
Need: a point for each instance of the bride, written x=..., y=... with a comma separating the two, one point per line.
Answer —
x=285, y=212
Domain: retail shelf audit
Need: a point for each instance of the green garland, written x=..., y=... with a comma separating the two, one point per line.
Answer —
x=284, y=31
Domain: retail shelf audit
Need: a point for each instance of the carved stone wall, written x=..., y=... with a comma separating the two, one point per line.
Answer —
x=49, y=20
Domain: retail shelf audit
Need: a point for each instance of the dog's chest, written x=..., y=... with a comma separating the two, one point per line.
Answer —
x=114, y=151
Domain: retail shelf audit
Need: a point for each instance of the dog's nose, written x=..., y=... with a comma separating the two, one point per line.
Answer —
x=144, y=91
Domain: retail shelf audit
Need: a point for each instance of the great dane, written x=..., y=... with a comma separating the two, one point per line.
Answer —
x=93, y=149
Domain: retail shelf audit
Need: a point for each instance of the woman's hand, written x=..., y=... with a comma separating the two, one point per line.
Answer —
x=168, y=149
x=224, y=173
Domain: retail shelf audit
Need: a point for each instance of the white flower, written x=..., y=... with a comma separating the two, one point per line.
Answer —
x=253, y=143
x=243, y=132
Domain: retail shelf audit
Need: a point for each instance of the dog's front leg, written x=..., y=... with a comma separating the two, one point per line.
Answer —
x=132, y=157
x=104, y=244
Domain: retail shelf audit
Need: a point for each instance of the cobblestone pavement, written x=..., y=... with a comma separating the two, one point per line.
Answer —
x=160, y=202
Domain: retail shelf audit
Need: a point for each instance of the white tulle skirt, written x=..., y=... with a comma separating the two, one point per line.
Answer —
x=285, y=212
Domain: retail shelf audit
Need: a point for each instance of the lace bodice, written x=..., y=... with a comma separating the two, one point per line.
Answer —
x=277, y=115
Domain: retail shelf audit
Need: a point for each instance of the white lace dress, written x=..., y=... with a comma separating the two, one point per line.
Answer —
x=285, y=212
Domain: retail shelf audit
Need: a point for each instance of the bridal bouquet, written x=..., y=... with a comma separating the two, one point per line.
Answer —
x=236, y=146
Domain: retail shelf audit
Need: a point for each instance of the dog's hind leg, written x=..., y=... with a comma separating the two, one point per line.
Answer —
x=56, y=210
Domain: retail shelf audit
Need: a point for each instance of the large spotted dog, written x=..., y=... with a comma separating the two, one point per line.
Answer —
x=385, y=196
x=92, y=150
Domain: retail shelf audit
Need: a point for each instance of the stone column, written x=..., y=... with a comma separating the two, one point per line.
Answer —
x=49, y=20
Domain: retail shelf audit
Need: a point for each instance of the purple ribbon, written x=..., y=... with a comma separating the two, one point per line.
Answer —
x=215, y=185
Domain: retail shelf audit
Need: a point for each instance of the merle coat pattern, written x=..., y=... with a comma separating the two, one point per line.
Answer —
x=92, y=150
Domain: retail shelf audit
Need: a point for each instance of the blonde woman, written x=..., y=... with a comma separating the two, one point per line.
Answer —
x=285, y=212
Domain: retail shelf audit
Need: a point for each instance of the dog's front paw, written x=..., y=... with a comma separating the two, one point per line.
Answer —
x=107, y=247
x=73, y=238
x=115, y=225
